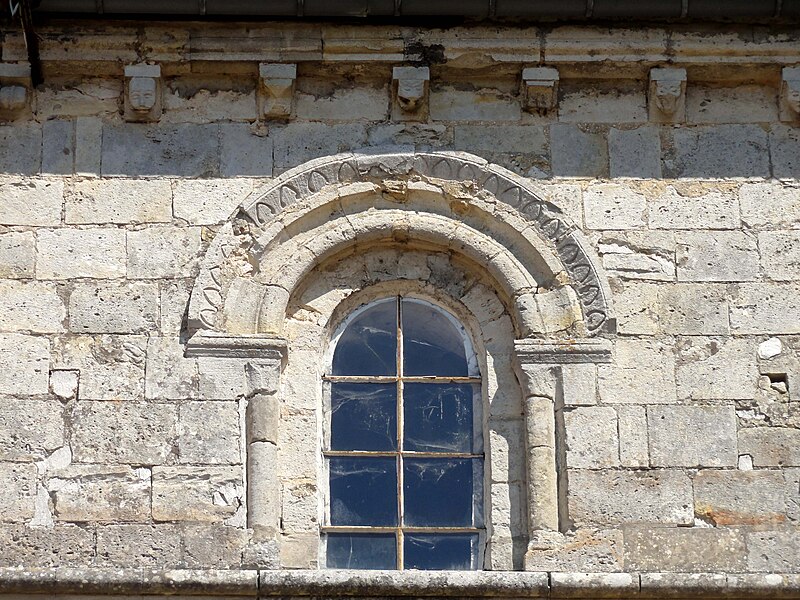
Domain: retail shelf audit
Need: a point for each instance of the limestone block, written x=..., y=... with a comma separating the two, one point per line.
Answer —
x=209, y=433
x=163, y=252
x=18, y=481
x=61, y=546
x=296, y=457
x=740, y=103
x=69, y=253
x=361, y=103
x=774, y=551
x=771, y=446
x=24, y=364
x=792, y=491
x=592, y=439
x=613, y=206
x=505, y=440
x=602, y=103
x=245, y=150
x=692, y=436
x=634, y=152
x=221, y=378
x=100, y=493
x=579, y=384
x=174, y=300
x=84, y=98
x=711, y=368
x=517, y=139
x=30, y=429
x=646, y=255
x=780, y=254
x=207, y=106
x=118, y=201
x=716, y=256
x=693, y=309
x=17, y=255
x=213, y=546
x=636, y=307
x=300, y=506
x=577, y=153
x=64, y=383
x=21, y=152
x=584, y=550
x=58, y=147
x=128, y=432
x=764, y=308
x=169, y=374
x=784, y=146
x=567, y=197
x=644, y=373
x=682, y=207
x=431, y=135
x=508, y=508
x=143, y=546
x=299, y=551
x=208, y=202
x=113, y=308
x=31, y=306
x=206, y=494
x=726, y=498
x=717, y=151
x=88, y=145
x=770, y=204
x=485, y=104
x=611, y=497
x=297, y=143
x=30, y=201
x=633, y=451
x=685, y=549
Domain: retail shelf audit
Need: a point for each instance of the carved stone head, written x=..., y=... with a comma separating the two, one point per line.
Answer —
x=409, y=93
x=667, y=95
x=792, y=95
x=16, y=92
x=142, y=93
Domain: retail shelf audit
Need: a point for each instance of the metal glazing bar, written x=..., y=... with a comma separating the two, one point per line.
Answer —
x=389, y=379
x=404, y=454
x=400, y=430
x=373, y=529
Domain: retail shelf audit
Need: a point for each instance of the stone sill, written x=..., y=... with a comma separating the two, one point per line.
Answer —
x=482, y=584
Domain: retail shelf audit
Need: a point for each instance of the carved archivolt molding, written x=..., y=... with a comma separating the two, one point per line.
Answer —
x=452, y=201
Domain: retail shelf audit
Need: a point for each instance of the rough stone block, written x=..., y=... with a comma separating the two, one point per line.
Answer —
x=579, y=384
x=143, y=546
x=299, y=142
x=31, y=201
x=633, y=451
x=163, y=252
x=725, y=498
x=784, y=145
x=692, y=436
x=169, y=374
x=485, y=104
x=741, y=103
x=792, y=477
x=209, y=433
x=295, y=455
x=64, y=383
x=18, y=482
x=118, y=201
x=582, y=551
x=774, y=551
x=61, y=546
x=592, y=439
x=685, y=549
x=214, y=546
x=206, y=494
x=100, y=493
x=300, y=505
x=693, y=207
x=576, y=153
x=516, y=139
x=17, y=255
x=770, y=204
x=30, y=429
x=612, y=206
x=636, y=307
x=504, y=436
x=644, y=372
x=221, y=378
x=128, y=432
x=20, y=149
x=88, y=145
x=693, y=309
x=634, y=152
x=717, y=151
x=641, y=255
x=780, y=254
x=24, y=364
x=174, y=299
x=711, y=368
x=245, y=150
x=602, y=103
x=358, y=103
x=113, y=308
x=771, y=446
x=70, y=253
x=208, y=202
x=205, y=106
x=717, y=256
x=31, y=306
x=299, y=551
x=764, y=308
x=615, y=497
x=58, y=147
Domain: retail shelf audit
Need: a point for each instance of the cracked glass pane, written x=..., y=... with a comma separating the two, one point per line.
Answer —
x=441, y=492
x=440, y=417
x=361, y=551
x=363, y=491
x=368, y=345
x=432, y=342
x=448, y=551
x=363, y=416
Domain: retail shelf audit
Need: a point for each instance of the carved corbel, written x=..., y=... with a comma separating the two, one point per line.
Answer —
x=666, y=99
x=410, y=92
x=143, y=93
x=276, y=90
x=539, y=89
x=790, y=94
x=16, y=91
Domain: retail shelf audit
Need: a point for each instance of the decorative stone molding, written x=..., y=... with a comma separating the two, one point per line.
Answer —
x=143, y=93
x=276, y=90
x=16, y=91
x=539, y=89
x=221, y=345
x=410, y=93
x=666, y=98
x=790, y=94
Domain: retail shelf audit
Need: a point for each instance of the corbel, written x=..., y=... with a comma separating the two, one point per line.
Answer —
x=666, y=98
x=276, y=90
x=410, y=93
x=16, y=91
x=790, y=95
x=143, y=86
x=539, y=89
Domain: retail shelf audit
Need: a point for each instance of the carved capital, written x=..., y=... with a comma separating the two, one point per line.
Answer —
x=143, y=89
x=536, y=352
x=410, y=92
x=790, y=94
x=276, y=90
x=223, y=345
x=666, y=98
x=539, y=89
x=16, y=91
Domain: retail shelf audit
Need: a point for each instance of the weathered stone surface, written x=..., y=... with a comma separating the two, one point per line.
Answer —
x=58, y=147
x=89, y=145
x=645, y=255
x=725, y=498
x=623, y=383
x=721, y=368
x=612, y=497
x=770, y=204
x=18, y=482
x=206, y=494
x=780, y=254
x=592, y=439
x=485, y=104
x=208, y=202
x=693, y=309
x=792, y=477
x=31, y=201
x=163, y=252
x=209, y=433
x=504, y=436
x=150, y=546
x=693, y=207
x=174, y=300
x=633, y=450
x=634, y=152
x=214, y=546
x=69, y=253
x=17, y=255
x=740, y=103
x=300, y=505
x=64, y=383
x=169, y=374
x=692, y=436
x=685, y=549
x=636, y=306
x=129, y=432
x=20, y=150
x=100, y=493
x=771, y=551
x=24, y=364
x=30, y=429
x=113, y=308
x=31, y=306
x=523, y=139
x=717, y=256
x=585, y=550
x=718, y=151
x=576, y=153
x=221, y=378
x=245, y=150
x=118, y=201
x=299, y=551
x=62, y=546
x=784, y=145
x=612, y=206
x=579, y=384
x=299, y=142
x=771, y=446
x=602, y=103
x=763, y=308
x=358, y=103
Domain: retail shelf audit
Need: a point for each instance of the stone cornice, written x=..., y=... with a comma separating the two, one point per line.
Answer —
x=225, y=345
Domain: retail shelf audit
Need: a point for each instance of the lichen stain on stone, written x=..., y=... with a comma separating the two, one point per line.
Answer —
x=719, y=517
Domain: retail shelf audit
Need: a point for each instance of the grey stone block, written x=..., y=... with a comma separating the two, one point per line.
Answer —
x=31, y=306
x=58, y=147
x=716, y=256
x=113, y=308
x=784, y=145
x=69, y=253
x=693, y=309
x=33, y=202
x=576, y=153
x=766, y=308
x=685, y=549
x=61, y=546
x=169, y=375
x=132, y=545
x=592, y=439
x=17, y=255
x=717, y=151
x=780, y=254
x=716, y=368
x=514, y=139
x=200, y=494
x=24, y=364
x=297, y=143
x=18, y=482
x=21, y=148
x=118, y=201
x=730, y=498
x=88, y=145
x=30, y=429
x=692, y=436
x=245, y=150
x=771, y=446
x=163, y=252
x=634, y=152
x=209, y=433
x=774, y=551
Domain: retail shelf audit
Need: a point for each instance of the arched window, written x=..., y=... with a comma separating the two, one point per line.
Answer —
x=403, y=444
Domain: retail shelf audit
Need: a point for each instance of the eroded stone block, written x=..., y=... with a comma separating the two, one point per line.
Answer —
x=163, y=252
x=17, y=255
x=30, y=429
x=592, y=439
x=113, y=308
x=731, y=498
x=717, y=256
x=68, y=253
x=118, y=201
x=133, y=545
x=771, y=446
x=24, y=364
x=685, y=549
x=209, y=433
x=692, y=436
x=206, y=494
x=780, y=254
x=18, y=482
x=31, y=306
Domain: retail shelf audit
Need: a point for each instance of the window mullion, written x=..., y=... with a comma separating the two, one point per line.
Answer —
x=400, y=424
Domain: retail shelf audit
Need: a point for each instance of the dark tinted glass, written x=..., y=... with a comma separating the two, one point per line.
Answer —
x=432, y=345
x=368, y=345
x=363, y=491
x=363, y=416
x=361, y=551
x=440, y=551
x=439, y=491
x=438, y=417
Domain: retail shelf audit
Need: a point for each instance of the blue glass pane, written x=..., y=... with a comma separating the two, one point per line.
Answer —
x=432, y=345
x=439, y=417
x=368, y=345
x=361, y=551
x=441, y=551
x=439, y=491
x=363, y=491
x=363, y=416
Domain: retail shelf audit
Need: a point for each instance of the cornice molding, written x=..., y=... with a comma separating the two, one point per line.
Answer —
x=530, y=351
x=225, y=345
